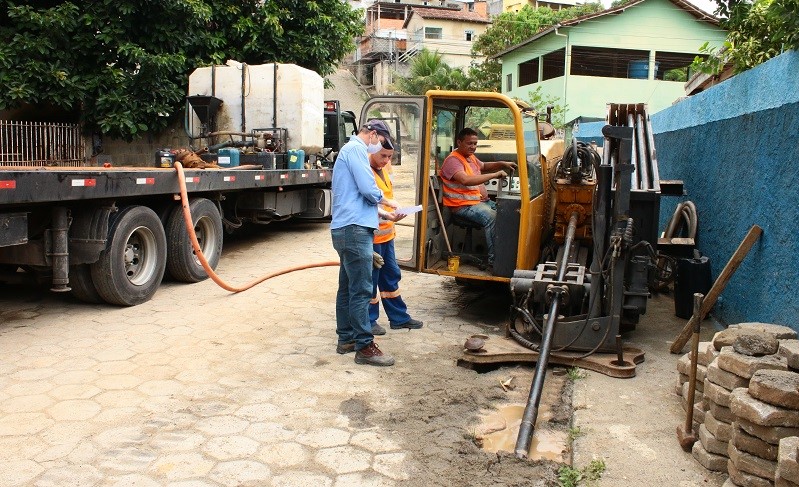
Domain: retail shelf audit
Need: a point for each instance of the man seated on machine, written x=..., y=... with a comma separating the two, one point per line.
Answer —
x=464, y=176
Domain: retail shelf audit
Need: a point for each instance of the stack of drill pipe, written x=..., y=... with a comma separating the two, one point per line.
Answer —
x=732, y=369
x=765, y=411
x=705, y=356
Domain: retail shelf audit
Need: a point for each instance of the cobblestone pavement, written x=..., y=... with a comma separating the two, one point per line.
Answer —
x=200, y=387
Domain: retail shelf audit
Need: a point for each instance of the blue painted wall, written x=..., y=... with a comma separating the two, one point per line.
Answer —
x=736, y=148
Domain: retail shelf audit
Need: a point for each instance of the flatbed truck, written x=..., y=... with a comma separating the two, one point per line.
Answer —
x=111, y=234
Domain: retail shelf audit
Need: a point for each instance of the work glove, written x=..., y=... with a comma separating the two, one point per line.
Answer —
x=377, y=260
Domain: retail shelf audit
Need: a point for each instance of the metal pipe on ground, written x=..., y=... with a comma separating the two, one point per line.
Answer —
x=527, y=426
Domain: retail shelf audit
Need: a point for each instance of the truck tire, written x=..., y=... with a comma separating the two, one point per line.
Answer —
x=82, y=284
x=181, y=262
x=131, y=266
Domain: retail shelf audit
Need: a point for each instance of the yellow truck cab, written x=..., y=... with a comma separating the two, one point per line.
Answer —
x=425, y=128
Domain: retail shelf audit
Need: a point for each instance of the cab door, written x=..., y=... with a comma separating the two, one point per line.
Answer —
x=404, y=115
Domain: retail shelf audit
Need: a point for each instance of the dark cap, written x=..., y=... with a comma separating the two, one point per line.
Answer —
x=379, y=126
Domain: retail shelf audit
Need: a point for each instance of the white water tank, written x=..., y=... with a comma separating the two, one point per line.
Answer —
x=299, y=93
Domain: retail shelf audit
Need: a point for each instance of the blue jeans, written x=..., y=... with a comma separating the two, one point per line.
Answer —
x=354, y=246
x=387, y=279
x=485, y=215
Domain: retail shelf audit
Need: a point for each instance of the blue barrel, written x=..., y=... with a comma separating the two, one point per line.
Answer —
x=296, y=159
x=638, y=69
x=228, y=157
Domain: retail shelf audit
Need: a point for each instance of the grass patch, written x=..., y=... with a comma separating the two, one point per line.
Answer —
x=576, y=373
x=574, y=433
x=572, y=477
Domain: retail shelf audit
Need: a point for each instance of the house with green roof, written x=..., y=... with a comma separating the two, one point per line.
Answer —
x=639, y=52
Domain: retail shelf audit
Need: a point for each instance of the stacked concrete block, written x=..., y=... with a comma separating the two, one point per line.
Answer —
x=765, y=413
x=705, y=356
x=788, y=463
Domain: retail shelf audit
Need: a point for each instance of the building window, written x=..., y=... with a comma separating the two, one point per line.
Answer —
x=433, y=33
x=609, y=63
x=528, y=72
x=554, y=64
x=509, y=82
x=469, y=34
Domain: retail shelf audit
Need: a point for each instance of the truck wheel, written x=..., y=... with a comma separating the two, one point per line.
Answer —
x=181, y=261
x=82, y=284
x=131, y=267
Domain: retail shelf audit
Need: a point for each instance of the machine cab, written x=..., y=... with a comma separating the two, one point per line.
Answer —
x=426, y=128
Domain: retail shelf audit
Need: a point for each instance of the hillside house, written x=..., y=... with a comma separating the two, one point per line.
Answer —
x=639, y=52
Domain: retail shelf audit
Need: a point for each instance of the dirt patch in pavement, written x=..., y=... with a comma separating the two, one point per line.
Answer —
x=445, y=404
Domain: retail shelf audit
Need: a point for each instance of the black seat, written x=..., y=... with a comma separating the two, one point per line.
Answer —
x=467, y=252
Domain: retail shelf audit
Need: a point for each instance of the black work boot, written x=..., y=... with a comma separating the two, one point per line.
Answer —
x=371, y=355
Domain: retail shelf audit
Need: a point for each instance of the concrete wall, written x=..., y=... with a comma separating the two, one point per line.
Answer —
x=735, y=148
x=656, y=26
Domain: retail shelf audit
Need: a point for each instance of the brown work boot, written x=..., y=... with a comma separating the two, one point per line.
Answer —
x=346, y=347
x=371, y=355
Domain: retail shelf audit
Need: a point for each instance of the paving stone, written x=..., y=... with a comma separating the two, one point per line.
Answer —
x=241, y=472
x=178, y=440
x=752, y=444
x=269, y=432
x=706, y=353
x=69, y=475
x=130, y=459
x=281, y=455
x=781, y=482
x=324, y=438
x=221, y=425
x=769, y=434
x=343, y=459
x=26, y=404
x=301, y=479
x=363, y=480
x=74, y=410
x=716, y=463
x=717, y=393
x=751, y=464
x=18, y=472
x=725, y=379
x=131, y=480
x=699, y=414
x=747, y=407
x=230, y=447
x=789, y=459
x=780, y=332
x=15, y=424
x=756, y=344
x=684, y=367
x=789, y=349
x=779, y=388
x=744, y=365
x=744, y=479
x=374, y=442
x=75, y=391
x=392, y=465
x=181, y=466
x=721, y=413
x=720, y=429
x=711, y=443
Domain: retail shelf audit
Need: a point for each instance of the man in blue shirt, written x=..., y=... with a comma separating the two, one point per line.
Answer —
x=355, y=200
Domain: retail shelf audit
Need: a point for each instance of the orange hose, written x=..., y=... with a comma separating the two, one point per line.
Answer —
x=184, y=199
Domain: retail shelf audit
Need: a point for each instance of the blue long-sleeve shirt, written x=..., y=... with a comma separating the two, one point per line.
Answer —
x=355, y=193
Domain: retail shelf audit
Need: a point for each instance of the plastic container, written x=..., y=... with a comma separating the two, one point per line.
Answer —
x=164, y=158
x=296, y=159
x=693, y=276
x=640, y=69
x=228, y=157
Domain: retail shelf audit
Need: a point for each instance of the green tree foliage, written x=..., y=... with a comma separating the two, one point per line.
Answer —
x=756, y=32
x=428, y=71
x=511, y=28
x=124, y=64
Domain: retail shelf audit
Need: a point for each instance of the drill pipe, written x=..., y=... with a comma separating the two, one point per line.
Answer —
x=530, y=416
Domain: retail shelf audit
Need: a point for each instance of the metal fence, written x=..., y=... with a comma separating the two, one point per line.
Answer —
x=41, y=144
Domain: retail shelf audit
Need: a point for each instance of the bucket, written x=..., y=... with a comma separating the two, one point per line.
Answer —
x=164, y=158
x=296, y=159
x=228, y=157
x=693, y=276
x=453, y=263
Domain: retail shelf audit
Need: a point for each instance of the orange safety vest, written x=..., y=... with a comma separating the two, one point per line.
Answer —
x=455, y=194
x=385, y=232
